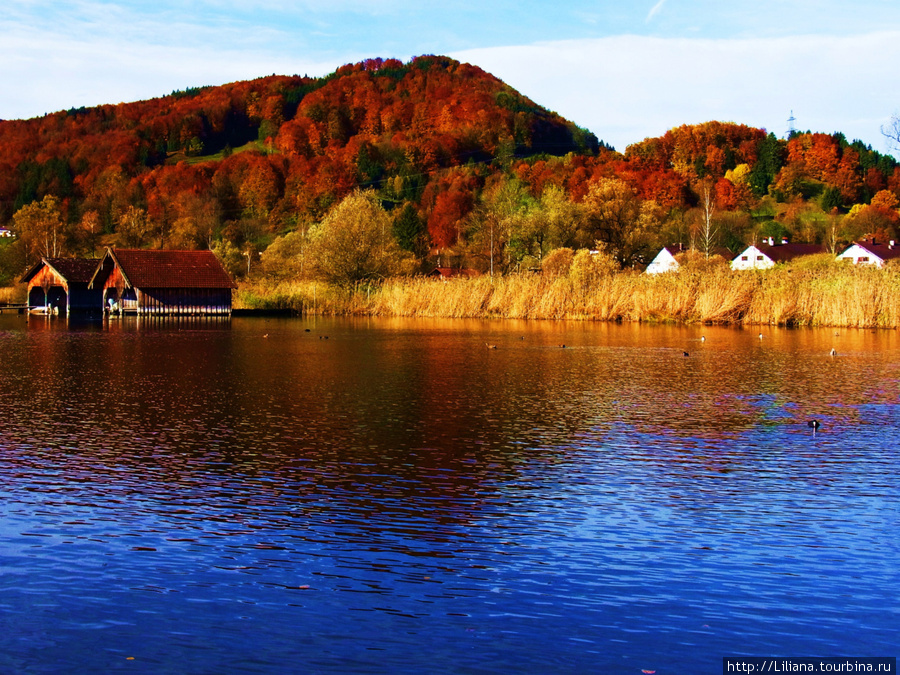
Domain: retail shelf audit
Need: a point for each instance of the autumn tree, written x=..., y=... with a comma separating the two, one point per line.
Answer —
x=707, y=228
x=89, y=229
x=286, y=257
x=355, y=242
x=39, y=226
x=556, y=222
x=617, y=218
x=134, y=227
x=875, y=221
x=502, y=229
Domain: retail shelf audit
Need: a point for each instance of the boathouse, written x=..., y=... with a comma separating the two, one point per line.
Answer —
x=163, y=282
x=61, y=285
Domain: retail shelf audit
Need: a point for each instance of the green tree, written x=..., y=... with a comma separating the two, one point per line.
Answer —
x=770, y=159
x=410, y=230
x=355, y=242
x=502, y=229
x=230, y=256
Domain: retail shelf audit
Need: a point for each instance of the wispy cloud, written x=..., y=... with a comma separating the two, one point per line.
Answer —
x=655, y=10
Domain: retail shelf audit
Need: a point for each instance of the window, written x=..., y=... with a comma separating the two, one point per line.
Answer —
x=862, y=259
x=759, y=257
x=743, y=257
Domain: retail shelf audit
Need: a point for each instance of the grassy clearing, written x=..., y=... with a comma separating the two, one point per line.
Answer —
x=176, y=157
x=823, y=295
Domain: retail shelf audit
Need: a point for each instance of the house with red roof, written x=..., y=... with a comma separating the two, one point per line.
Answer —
x=669, y=258
x=153, y=282
x=61, y=286
x=768, y=254
x=871, y=252
x=452, y=272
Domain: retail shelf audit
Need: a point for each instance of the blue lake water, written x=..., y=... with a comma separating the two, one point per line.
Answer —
x=394, y=496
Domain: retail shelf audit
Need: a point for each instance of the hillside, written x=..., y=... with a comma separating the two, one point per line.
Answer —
x=467, y=168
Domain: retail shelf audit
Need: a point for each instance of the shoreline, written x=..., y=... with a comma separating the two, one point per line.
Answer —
x=834, y=296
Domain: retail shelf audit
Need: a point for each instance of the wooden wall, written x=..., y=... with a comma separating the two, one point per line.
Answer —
x=184, y=301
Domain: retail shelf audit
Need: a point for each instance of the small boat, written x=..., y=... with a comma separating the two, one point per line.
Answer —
x=44, y=311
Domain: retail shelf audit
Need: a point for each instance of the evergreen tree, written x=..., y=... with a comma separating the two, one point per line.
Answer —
x=770, y=159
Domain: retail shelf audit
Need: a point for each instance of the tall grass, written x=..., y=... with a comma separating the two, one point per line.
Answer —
x=811, y=295
x=13, y=295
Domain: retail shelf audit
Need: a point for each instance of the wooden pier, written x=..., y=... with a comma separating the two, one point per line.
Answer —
x=16, y=309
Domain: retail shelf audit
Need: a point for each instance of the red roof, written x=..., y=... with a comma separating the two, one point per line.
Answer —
x=171, y=269
x=785, y=252
x=447, y=272
x=73, y=270
x=883, y=251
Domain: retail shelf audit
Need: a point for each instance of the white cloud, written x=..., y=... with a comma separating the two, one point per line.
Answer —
x=41, y=73
x=622, y=88
x=627, y=88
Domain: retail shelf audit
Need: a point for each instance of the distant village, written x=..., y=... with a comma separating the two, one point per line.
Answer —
x=767, y=254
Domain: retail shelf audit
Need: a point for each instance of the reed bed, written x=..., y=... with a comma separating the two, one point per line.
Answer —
x=824, y=295
x=13, y=295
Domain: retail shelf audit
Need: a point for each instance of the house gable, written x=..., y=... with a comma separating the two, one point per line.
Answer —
x=871, y=252
x=663, y=262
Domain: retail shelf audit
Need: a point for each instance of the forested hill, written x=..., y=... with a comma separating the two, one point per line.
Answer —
x=319, y=136
x=461, y=162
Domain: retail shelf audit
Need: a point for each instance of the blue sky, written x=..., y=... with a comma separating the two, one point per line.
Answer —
x=624, y=70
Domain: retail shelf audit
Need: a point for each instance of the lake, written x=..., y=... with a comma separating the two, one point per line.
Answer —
x=432, y=496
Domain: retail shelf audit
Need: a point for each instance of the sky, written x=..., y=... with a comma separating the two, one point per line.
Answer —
x=624, y=70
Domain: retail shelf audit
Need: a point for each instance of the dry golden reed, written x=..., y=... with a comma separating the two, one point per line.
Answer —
x=800, y=295
x=13, y=295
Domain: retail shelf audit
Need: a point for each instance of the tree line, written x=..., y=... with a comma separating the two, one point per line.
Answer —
x=445, y=164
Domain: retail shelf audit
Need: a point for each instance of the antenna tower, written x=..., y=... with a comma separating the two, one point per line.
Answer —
x=791, y=129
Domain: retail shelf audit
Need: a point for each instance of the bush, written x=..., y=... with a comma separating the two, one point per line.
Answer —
x=557, y=262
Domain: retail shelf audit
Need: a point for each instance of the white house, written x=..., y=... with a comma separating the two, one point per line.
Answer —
x=765, y=255
x=664, y=261
x=670, y=258
x=5, y=233
x=870, y=252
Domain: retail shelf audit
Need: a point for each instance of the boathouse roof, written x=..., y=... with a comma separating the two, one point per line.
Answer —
x=72, y=270
x=166, y=269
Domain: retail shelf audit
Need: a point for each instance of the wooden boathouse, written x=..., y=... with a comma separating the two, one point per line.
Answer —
x=154, y=282
x=61, y=285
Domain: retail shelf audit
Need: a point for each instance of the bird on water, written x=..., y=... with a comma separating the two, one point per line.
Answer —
x=814, y=425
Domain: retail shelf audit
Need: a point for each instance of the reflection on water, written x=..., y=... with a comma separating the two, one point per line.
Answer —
x=392, y=496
